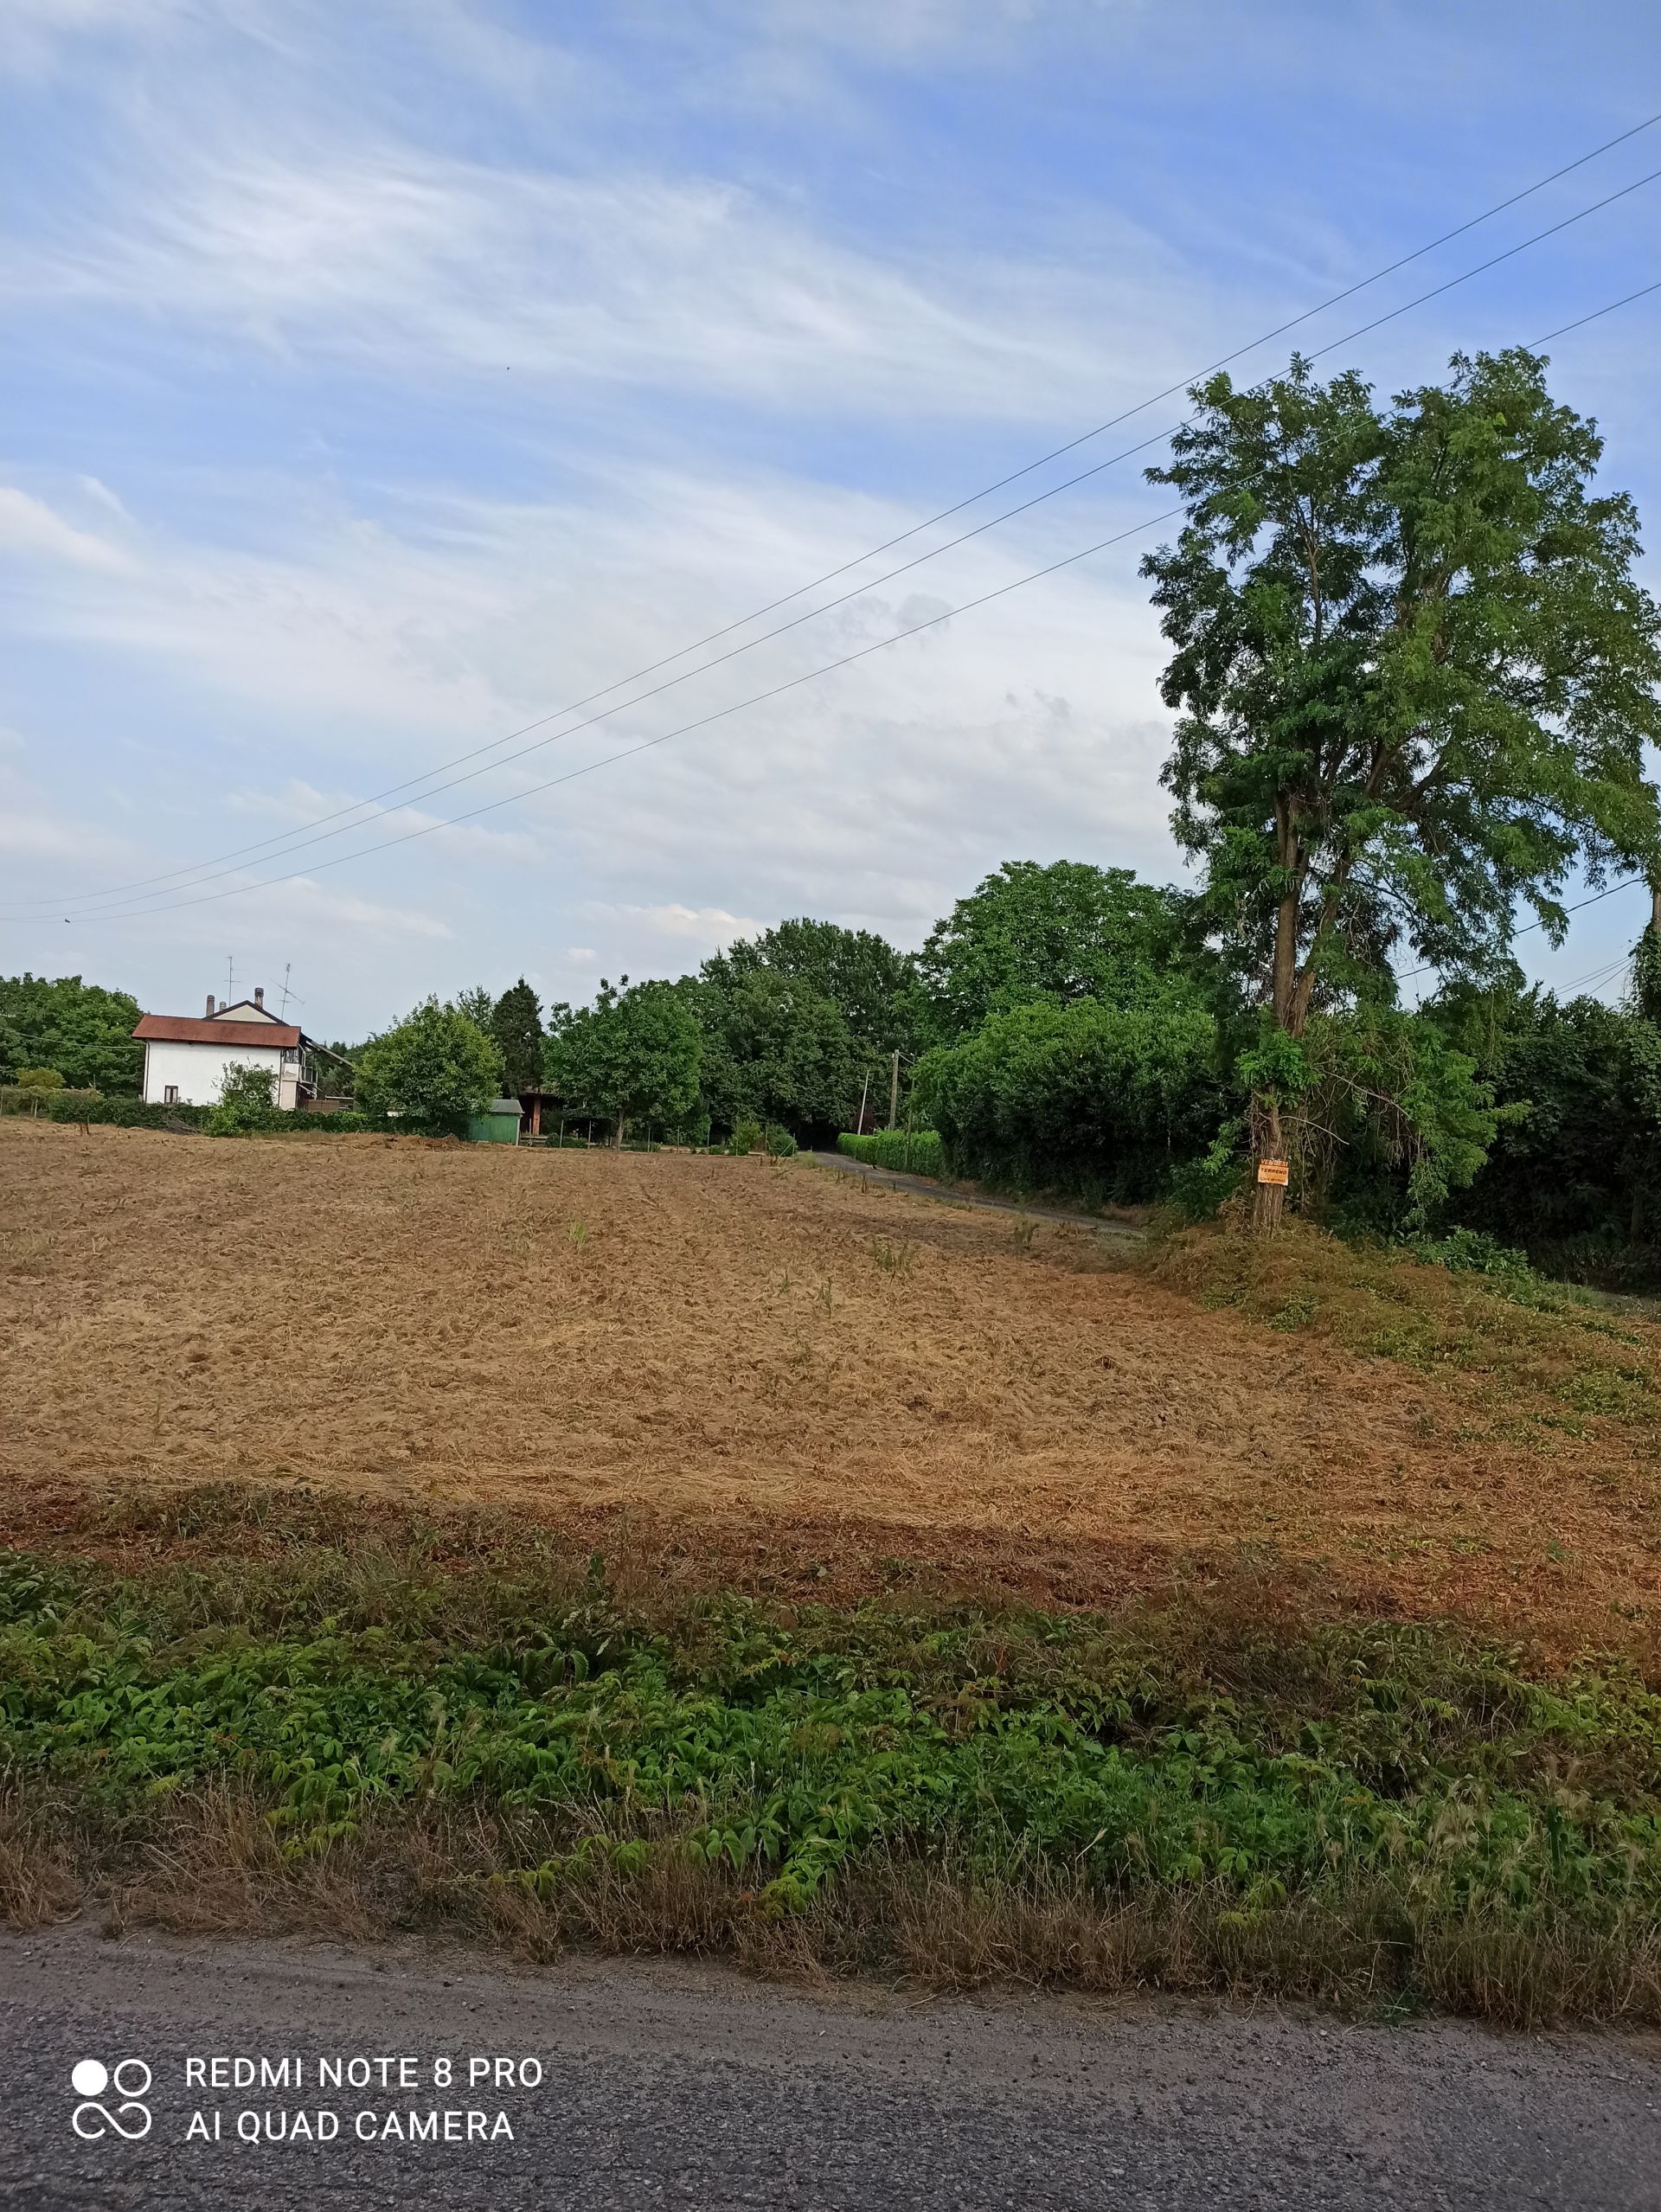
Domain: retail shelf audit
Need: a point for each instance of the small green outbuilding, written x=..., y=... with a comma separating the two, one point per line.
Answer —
x=497, y=1124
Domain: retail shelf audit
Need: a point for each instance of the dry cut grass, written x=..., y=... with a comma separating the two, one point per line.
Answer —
x=735, y=1346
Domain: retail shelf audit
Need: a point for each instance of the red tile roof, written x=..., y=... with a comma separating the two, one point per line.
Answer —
x=196, y=1029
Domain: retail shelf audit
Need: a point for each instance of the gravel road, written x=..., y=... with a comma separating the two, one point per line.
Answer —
x=669, y=2086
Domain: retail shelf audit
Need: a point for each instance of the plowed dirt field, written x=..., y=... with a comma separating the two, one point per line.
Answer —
x=743, y=1350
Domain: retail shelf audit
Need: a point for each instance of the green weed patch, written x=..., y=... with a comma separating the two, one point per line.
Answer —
x=802, y=1755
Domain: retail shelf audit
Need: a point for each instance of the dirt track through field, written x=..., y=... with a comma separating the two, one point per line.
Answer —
x=711, y=1337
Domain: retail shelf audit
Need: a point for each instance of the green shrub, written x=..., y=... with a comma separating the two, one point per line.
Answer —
x=39, y=1079
x=780, y=1144
x=745, y=1136
x=1472, y=1251
x=247, y=1105
x=907, y=1151
x=17, y=1098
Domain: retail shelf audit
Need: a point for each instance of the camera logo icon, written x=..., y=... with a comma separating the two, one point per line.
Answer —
x=130, y=2079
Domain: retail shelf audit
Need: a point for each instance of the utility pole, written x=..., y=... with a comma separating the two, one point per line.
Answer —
x=859, y=1126
x=894, y=1095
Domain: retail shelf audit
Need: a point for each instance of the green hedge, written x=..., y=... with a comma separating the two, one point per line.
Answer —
x=917, y=1151
x=134, y=1113
x=1102, y=1100
x=120, y=1113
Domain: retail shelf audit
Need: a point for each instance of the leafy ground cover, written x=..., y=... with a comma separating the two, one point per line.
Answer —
x=1180, y=1795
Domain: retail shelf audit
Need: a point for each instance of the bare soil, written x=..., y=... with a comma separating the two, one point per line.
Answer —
x=759, y=1354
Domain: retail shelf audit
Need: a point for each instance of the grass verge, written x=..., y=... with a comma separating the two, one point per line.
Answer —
x=1542, y=1347
x=360, y=1738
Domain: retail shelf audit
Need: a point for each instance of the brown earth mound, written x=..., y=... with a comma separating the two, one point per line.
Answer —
x=727, y=1340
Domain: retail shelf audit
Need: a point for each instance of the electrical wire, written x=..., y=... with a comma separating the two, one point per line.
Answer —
x=1406, y=975
x=648, y=745
x=111, y=904
x=292, y=840
x=168, y=903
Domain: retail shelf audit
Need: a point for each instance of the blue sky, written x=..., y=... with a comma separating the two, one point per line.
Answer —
x=377, y=379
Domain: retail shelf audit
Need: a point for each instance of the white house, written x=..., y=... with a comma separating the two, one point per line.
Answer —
x=186, y=1055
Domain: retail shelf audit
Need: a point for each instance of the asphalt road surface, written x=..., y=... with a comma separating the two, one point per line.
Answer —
x=661, y=2086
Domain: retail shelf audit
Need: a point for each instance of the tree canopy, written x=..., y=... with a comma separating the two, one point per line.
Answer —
x=1414, y=670
x=431, y=1071
x=778, y=1049
x=859, y=973
x=79, y=1028
x=633, y=1055
x=1064, y=932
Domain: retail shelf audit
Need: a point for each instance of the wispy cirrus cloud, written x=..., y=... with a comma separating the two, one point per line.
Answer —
x=383, y=255
x=32, y=529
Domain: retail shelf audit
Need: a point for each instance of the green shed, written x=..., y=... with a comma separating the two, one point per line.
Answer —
x=497, y=1124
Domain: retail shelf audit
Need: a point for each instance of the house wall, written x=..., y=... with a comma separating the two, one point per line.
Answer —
x=199, y=1070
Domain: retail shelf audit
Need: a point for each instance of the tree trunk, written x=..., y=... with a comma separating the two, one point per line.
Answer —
x=1268, y=1199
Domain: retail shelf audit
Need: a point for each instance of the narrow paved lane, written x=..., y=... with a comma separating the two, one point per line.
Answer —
x=662, y=2086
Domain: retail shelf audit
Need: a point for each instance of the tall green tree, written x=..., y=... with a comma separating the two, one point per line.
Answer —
x=633, y=1055
x=1064, y=931
x=475, y=1004
x=795, y=1019
x=1416, y=675
x=82, y=1031
x=429, y=1071
x=516, y=1025
x=778, y=1050
x=861, y=974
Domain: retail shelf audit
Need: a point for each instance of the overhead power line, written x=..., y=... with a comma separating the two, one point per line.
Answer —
x=159, y=903
x=1406, y=975
x=280, y=843
x=649, y=744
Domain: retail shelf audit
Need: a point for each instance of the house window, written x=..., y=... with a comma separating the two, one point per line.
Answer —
x=170, y=1094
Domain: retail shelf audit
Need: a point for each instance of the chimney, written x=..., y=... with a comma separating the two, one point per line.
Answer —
x=210, y=1006
x=259, y=994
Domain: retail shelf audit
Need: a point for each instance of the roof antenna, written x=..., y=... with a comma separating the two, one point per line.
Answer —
x=230, y=978
x=287, y=993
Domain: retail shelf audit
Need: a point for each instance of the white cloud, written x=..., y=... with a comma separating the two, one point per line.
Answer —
x=704, y=926
x=383, y=255
x=28, y=526
x=32, y=31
